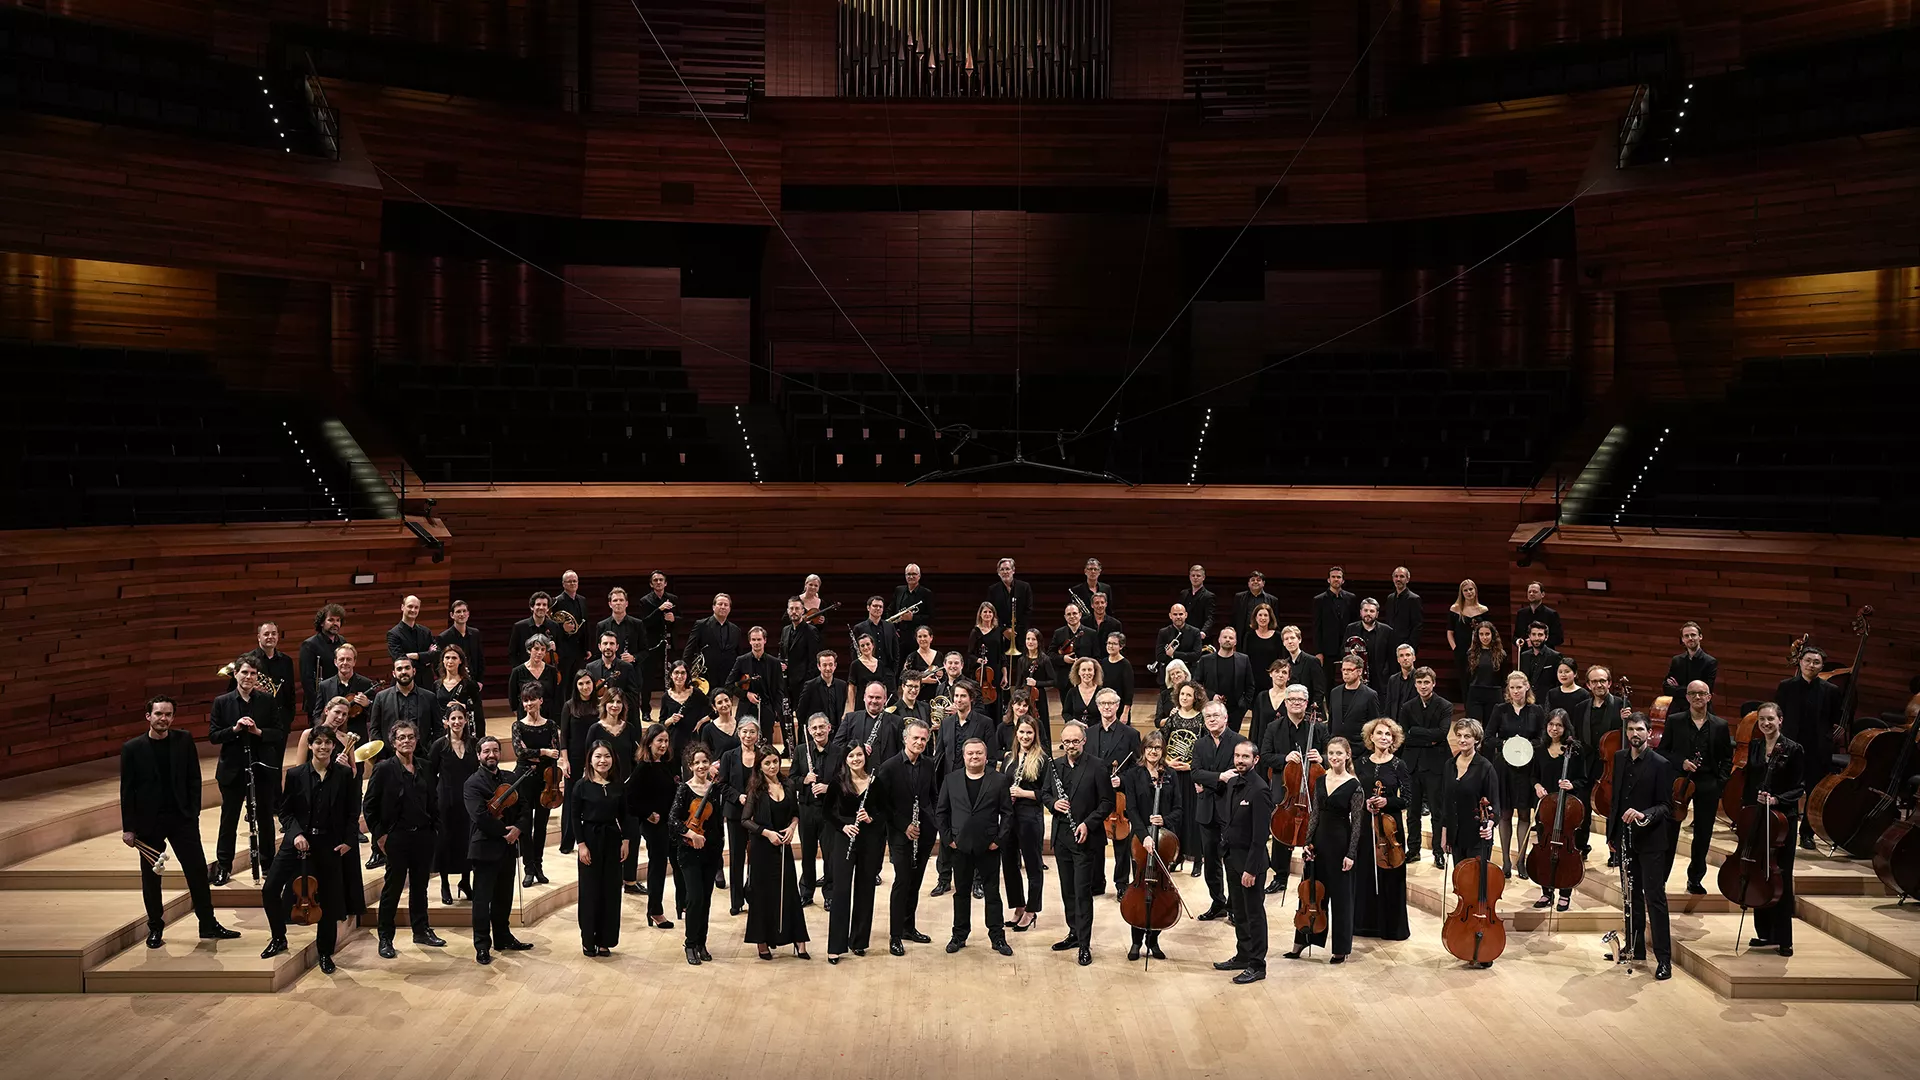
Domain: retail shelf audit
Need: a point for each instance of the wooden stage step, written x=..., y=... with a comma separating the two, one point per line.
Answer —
x=529, y=905
x=185, y=964
x=43, y=811
x=1881, y=927
x=103, y=862
x=1822, y=967
x=49, y=938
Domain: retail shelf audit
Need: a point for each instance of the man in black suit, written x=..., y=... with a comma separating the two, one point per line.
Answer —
x=1538, y=662
x=1198, y=600
x=1332, y=611
x=1401, y=610
x=1244, y=602
x=906, y=596
x=1536, y=610
x=613, y=673
x=1399, y=689
x=1116, y=744
x=276, y=680
x=493, y=843
x=1810, y=710
x=960, y=724
x=823, y=693
x=410, y=639
x=316, y=653
x=886, y=641
x=875, y=728
x=799, y=646
x=1249, y=813
x=1699, y=745
x=318, y=819
x=160, y=806
x=1377, y=638
x=1425, y=718
x=975, y=815
x=572, y=644
x=1076, y=818
x=1078, y=633
x=656, y=612
x=1212, y=766
x=347, y=682
x=815, y=767
x=1228, y=676
x=716, y=639
x=1693, y=662
x=1642, y=789
x=403, y=811
x=1178, y=640
x=242, y=725
x=1012, y=600
x=1093, y=586
x=630, y=632
x=902, y=801
x=540, y=622
x=1307, y=669
x=1352, y=703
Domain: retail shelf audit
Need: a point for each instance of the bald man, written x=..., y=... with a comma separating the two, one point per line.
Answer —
x=409, y=639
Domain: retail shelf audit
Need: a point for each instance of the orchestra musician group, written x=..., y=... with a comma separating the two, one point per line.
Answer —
x=717, y=757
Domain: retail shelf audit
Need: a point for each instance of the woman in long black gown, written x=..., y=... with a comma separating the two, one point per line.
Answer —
x=854, y=846
x=1076, y=698
x=774, y=915
x=1462, y=617
x=581, y=710
x=452, y=758
x=1033, y=669
x=1270, y=704
x=1262, y=645
x=613, y=729
x=650, y=792
x=1189, y=698
x=1486, y=660
x=1147, y=787
x=455, y=683
x=699, y=858
x=1516, y=718
x=737, y=767
x=1338, y=823
x=682, y=709
x=1380, y=894
x=1550, y=755
x=603, y=835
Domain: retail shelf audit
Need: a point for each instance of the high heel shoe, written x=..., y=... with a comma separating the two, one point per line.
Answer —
x=659, y=924
x=1341, y=959
x=1023, y=927
x=833, y=960
x=766, y=954
x=802, y=953
x=446, y=896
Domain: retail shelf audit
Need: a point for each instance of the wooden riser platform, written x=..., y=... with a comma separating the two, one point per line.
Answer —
x=1822, y=967
x=1881, y=927
x=44, y=811
x=50, y=938
x=185, y=964
x=103, y=862
x=529, y=905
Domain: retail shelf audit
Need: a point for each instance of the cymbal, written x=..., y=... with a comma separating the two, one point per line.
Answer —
x=369, y=750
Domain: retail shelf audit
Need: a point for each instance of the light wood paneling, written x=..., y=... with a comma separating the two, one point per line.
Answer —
x=1864, y=311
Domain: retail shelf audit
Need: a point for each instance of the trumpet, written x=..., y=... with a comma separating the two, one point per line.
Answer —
x=154, y=857
x=904, y=612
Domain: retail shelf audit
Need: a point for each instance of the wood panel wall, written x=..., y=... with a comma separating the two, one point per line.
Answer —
x=802, y=48
x=88, y=302
x=92, y=621
x=1751, y=593
x=1865, y=311
x=1675, y=344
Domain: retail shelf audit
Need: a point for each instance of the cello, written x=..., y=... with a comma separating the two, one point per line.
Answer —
x=1752, y=876
x=1743, y=736
x=1474, y=933
x=1151, y=903
x=1556, y=862
x=1610, y=744
x=1293, y=816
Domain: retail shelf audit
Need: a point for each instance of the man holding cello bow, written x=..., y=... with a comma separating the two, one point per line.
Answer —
x=1640, y=828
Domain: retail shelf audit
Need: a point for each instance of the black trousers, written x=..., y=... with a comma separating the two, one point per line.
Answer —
x=1024, y=848
x=322, y=864
x=409, y=866
x=1122, y=864
x=599, y=912
x=737, y=838
x=850, y=923
x=903, y=900
x=1423, y=795
x=181, y=836
x=696, y=869
x=1077, y=864
x=233, y=806
x=492, y=901
x=1774, y=923
x=1280, y=864
x=661, y=859
x=814, y=837
x=566, y=816
x=1706, y=803
x=533, y=838
x=1650, y=872
x=1210, y=857
x=966, y=866
x=1249, y=906
x=1339, y=885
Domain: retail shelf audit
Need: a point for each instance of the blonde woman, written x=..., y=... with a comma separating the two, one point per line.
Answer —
x=1076, y=699
x=1518, y=717
x=1380, y=899
x=1466, y=611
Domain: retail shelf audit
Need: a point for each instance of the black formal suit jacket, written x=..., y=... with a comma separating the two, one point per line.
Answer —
x=1402, y=612
x=1713, y=744
x=145, y=794
x=825, y=764
x=817, y=696
x=719, y=642
x=886, y=642
x=1308, y=672
x=881, y=735
x=1089, y=791
x=1426, y=726
x=228, y=709
x=387, y=792
x=331, y=820
x=904, y=598
x=1349, y=710
x=1014, y=608
x=1209, y=761
x=1199, y=607
x=1683, y=669
x=1648, y=788
x=1528, y=615
x=1249, y=821
x=973, y=825
x=618, y=676
x=487, y=835
x=1331, y=614
x=950, y=741
x=1380, y=643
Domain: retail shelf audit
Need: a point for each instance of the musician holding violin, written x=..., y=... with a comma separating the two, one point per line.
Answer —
x=1640, y=829
x=1700, y=748
x=695, y=822
x=1773, y=924
x=538, y=758
x=1380, y=890
x=319, y=818
x=1338, y=825
x=1246, y=806
x=496, y=805
x=1114, y=743
x=1153, y=807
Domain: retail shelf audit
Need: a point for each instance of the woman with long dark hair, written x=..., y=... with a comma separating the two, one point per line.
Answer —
x=454, y=682
x=650, y=792
x=771, y=815
x=699, y=860
x=452, y=758
x=854, y=845
x=598, y=808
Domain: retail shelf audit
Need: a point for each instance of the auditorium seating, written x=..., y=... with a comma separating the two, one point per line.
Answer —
x=72, y=68
x=549, y=413
x=1814, y=443
x=105, y=436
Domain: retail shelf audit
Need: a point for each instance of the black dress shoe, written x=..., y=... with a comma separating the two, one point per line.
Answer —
x=633, y=890
x=916, y=937
x=1664, y=971
x=1065, y=943
x=1235, y=964
x=1217, y=911
x=1133, y=953
x=896, y=948
x=1295, y=954
x=376, y=860
x=736, y=912
x=603, y=951
x=446, y=897
x=828, y=902
x=705, y=956
x=1154, y=951
x=1696, y=889
x=526, y=881
x=1806, y=843
x=1275, y=886
x=1251, y=975
x=806, y=899
x=274, y=948
x=1759, y=943
x=154, y=940
x=429, y=939
x=1786, y=950
x=216, y=932
x=217, y=875
x=482, y=956
x=833, y=960
x=326, y=965
x=1543, y=902
x=956, y=945
x=541, y=877
x=1002, y=947
x=513, y=945
x=640, y=887
x=1197, y=869
x=386, y=949
x=1341, y=959
x=941, y=889
x=1613, y=859
x=588, y=950
x=859, y=952
x=979, y=891
x=659, y=924
x=1086, y=956
x=693, y=957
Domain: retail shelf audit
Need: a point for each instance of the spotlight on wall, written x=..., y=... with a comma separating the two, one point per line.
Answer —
x=362, y=579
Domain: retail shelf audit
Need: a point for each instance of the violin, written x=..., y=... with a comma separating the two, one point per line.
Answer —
x=1475, y=932
x=1752, y=876
x=354, y=708
x=1555, y=862
x=505, y=797
x=1310, y=914
x=552, y=794
x=699, y=812
x=1389, y=851
x=306, y=897
x=1293, y=815
x=818, y=616
x=1152, y=903
x=984, y=674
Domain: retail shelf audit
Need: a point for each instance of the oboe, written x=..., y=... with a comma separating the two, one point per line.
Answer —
x=857, y=811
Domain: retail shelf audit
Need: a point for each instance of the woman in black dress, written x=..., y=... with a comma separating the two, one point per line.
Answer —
x=1029, y=768
x=452, y=759
x=1550, y=754
x=700, y=795
x=1151, y=793
x=1568, y=695
x=1076, y=698
x=574, y=718
x=737, y=767
x=1270, y=704
x=682, y=709
x=774, y=915
x=1116, y=671
x=1262, y=645
x=455, y=683
x=1468, y=780
x=536, y=747
x=650, y=793
x=542, y=667
x=1462, y=617
x=1516, y=718
x=599, y=810
x=1033, y=669
x=1380, y=894
x=1486, y=661
x=1189, y=698
x=864, y=669
x=624, y=739
x=1337, y=826
x=854, y=846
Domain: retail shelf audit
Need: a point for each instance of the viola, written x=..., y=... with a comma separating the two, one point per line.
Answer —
x=1389, y=850
x=984, y=674
x=1294, y=814
x=818, y=617
x=1752, y=876
x=1152, y=903
x=699, y=812
x=505, y=797
x=1555, y=862
x=354, y=708
x=1474, y=932
x=306, y=897
x=1684, y=788
x=552, y=794
x=1117, y=825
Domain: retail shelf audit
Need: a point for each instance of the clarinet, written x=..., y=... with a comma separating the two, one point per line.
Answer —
x=253, y=836
x=1060, y=792
x=861, y=809
x=916, y=822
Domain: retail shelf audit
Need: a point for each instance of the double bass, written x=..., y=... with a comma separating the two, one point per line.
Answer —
x=1896, y=858
x=1293, y=816
x=1474, y=932
x=1556, y=862
x=1152, y=903
x=1752, y=876
x=1853, y=809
